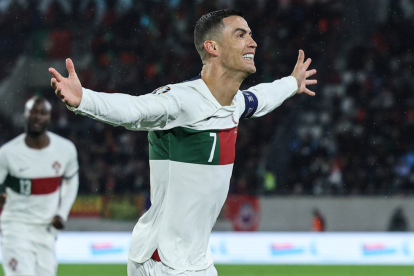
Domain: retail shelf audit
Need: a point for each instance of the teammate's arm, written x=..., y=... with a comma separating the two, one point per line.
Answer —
x=264, y=98
x=147, y=112
x=69, y=190
x=3, y=175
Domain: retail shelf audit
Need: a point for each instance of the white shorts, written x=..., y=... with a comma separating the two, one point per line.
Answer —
x=154, y=268
x=28, y=258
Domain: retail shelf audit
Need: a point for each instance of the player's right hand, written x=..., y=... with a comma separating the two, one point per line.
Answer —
x=2, y=200
x=58, y=223
x=69, y=89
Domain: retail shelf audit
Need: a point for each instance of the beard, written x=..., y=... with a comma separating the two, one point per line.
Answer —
x=33, y=131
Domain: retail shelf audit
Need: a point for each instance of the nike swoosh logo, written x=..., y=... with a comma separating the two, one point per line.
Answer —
x=210, y=118
x=24, y=169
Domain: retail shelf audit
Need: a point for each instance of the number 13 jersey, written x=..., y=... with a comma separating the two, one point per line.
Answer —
x=33, y=178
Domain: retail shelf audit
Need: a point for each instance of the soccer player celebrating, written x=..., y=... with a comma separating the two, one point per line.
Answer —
x=192, y=134
x=39, y=173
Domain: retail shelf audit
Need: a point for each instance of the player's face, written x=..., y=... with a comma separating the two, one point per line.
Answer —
x=239, y=47
x=38, y=119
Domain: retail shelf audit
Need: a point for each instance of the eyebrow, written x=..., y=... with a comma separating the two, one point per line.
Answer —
x=242, y=30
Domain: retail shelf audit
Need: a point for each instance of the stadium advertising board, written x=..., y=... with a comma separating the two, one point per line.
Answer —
x=256, y=248
x=87, y=206
x=116, y=207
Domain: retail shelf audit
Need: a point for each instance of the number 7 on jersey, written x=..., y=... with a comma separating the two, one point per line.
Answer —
x=214, y=146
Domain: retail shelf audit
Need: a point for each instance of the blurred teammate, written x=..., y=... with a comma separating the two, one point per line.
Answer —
x=39, y=173
x=192, y=134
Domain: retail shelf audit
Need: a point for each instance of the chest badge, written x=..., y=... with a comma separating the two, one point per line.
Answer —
x=56, y=166
x=13, y=264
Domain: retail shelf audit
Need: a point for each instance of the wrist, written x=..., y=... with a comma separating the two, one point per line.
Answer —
x=297, y=82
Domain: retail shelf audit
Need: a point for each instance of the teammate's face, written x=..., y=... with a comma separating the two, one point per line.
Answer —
x=38, y=118
x=239, y=47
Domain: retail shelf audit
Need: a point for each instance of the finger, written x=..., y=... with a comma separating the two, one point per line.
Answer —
x=309, y=92
x=307, y=63
x=55, y=74
x=310, y=82
x=59, y=94
x=71, y=68
x=301, y=57
x=53, y=83
x=310, y=73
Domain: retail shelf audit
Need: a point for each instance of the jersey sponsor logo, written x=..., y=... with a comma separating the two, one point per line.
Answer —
x=56, y=166
x=24, y=169
x=13, y=264
x=161, y=90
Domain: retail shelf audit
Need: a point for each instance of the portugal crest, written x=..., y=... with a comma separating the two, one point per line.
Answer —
x=56, y=166
x=13, y=264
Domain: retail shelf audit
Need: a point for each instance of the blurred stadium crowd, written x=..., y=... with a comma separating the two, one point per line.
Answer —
x=354, y=137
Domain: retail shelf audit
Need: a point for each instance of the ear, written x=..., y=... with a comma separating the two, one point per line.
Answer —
x=211, y=47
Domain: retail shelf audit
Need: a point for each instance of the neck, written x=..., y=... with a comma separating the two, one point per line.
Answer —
x=37, y=141
x=223, y=83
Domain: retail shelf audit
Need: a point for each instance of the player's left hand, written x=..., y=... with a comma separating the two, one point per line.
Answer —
x=58, y=223
x=301, y=73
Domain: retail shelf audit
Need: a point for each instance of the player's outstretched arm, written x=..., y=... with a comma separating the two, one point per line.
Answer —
x=69, y=89
x=301, y=73
x=146, y=112
x=265, y=97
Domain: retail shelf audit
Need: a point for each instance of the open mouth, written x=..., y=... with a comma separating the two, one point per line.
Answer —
x=248, y=56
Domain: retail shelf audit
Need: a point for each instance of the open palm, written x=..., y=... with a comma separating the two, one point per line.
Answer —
x=301, y=73
x=69, y=89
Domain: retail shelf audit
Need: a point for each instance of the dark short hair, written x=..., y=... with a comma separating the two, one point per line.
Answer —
x=208, y=24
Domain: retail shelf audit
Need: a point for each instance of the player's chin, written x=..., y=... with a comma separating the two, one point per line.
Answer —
x=36, y=130
x=251, y=70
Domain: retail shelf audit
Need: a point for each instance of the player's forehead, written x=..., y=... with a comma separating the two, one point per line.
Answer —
x=38, y=104
x=234, y=23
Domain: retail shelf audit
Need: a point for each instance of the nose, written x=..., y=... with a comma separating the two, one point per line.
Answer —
x=36, y=115
x=252, y=43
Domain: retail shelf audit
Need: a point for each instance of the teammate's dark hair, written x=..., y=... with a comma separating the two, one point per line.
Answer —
x=207, y=26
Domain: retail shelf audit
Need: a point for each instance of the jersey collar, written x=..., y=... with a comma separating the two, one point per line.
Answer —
x=200, y=86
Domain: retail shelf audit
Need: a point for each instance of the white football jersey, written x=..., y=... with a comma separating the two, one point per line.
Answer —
x=192, y=149
x=33, y=179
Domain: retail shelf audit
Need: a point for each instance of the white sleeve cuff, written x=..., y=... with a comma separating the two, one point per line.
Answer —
x=84, y=100
x=293, y=84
